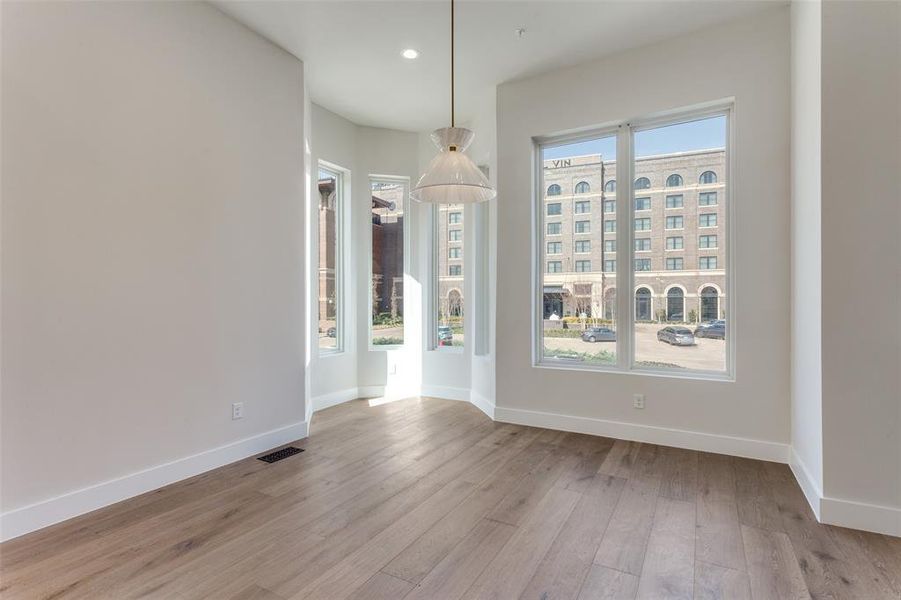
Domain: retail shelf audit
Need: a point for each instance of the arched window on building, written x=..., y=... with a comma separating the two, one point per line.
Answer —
x=610, y=304
x=643, y=307
x=553, y=190
x=710, y=304
x=674, y=180
x=610, y=186
x=642, y=183
x=582, y=187
x=707, y=177
x=675, y=305
x=454, y=303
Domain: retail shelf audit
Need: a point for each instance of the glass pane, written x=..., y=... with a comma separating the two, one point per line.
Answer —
x=449, y=234
x=388, y=202
x=578, y=265
x=330, y=206
x=679, y=304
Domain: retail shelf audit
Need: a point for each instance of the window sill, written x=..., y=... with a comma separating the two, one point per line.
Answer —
x=564, y=365
x=448, y=349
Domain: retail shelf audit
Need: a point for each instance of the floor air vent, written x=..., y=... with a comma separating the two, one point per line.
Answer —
x=280, y=454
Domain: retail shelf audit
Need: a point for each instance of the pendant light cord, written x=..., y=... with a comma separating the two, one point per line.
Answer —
x=452, y=63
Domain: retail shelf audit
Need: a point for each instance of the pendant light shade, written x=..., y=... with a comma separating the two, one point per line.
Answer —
x=452, y=177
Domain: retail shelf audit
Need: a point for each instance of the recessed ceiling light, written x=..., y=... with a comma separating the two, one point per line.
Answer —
x=409, y=53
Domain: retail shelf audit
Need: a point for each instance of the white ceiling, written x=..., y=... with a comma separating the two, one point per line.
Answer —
x=351, y=49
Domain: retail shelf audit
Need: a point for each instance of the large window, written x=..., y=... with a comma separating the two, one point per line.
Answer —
x=577, y=281
x=331, y=271
x=680, y=301
x=389, y=201
x=697, y=148
x=447, y=286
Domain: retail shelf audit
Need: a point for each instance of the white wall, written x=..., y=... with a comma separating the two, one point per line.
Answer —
x=153, y=192
x=747, y=60
x=334, y=139
x=806, y=291
x=399, y=371
x=861, y=214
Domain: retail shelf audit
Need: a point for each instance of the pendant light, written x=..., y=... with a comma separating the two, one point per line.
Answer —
x=452, y=177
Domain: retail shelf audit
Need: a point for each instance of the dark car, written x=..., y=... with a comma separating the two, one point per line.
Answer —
x=678, y=336
x=711, y=329
x=598, y=334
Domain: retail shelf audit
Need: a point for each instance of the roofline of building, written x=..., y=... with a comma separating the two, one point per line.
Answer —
x=650, y=157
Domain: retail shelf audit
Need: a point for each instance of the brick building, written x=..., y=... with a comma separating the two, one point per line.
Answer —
x=450, y=260
x=679, y=228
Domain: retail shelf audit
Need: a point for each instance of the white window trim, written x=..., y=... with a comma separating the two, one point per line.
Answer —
x=625, y=360
x=342, y=225
x=407, y=258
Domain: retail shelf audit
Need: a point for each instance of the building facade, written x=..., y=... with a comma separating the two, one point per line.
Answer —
x=449, y=232
x=679, y=237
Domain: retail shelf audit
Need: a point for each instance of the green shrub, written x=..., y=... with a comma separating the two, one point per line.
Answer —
x=604, y=356
x=385, y=319
x=653, y=363
x=562, y=333
x=387, y=341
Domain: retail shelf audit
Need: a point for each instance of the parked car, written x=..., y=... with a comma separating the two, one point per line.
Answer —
x=331, y=332
x=678, y=336
x=711, y=329
x=445, y=335
x=598, y=334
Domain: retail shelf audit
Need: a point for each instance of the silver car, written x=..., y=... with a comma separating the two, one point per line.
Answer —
x=677, y=336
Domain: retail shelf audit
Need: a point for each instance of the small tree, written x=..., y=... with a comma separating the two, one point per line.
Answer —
x=692, y=316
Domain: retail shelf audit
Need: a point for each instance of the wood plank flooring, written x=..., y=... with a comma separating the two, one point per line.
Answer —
x=427, y=499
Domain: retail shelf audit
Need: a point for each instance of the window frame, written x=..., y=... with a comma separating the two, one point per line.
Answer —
x=434, y=274
x=625, y=278
x=342, y=214
x=405, y=181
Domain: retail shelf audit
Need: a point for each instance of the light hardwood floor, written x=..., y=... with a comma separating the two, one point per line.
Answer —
x=428, y=499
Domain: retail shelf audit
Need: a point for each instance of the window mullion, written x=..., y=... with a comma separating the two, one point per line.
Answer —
x=624, y=243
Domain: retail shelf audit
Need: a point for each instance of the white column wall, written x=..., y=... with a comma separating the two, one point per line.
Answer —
x=152, y=250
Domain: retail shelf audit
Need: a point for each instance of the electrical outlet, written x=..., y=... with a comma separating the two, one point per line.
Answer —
x=237, y=411
x=638, y=401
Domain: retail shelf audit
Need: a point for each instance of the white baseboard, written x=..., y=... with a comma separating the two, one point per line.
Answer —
x=809, y=485
x=370, y=391
x=678, y=438
x=341, y=396
x=844, y=513
x=482, y=403
x=54, y=510
x=860, y=515
x=445, y=392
